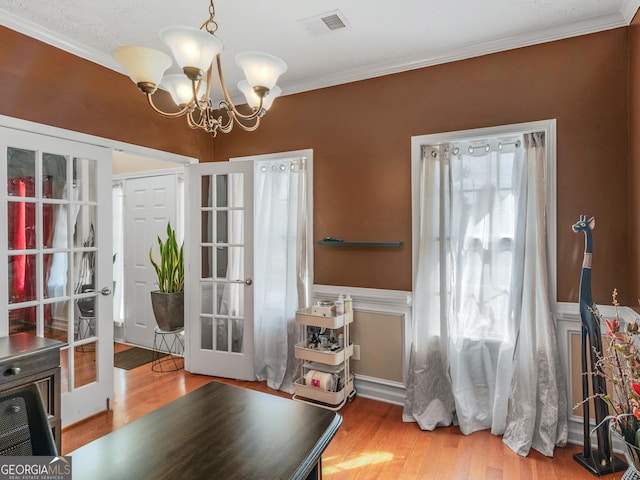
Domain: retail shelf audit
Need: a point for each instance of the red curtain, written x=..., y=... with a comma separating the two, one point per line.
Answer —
x=17, y=236
x=22, y=236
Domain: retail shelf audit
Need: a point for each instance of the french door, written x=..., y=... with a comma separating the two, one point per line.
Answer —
x=219, y=256
x=57, y=251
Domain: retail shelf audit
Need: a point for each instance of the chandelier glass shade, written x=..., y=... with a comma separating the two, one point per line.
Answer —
x=197, y=52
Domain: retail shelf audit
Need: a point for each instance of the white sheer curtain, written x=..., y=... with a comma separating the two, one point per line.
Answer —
x=537, y=416
x=481, y=233
x=281, y=267
x=58, y=274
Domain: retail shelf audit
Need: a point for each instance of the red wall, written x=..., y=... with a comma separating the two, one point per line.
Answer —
x=361, y=136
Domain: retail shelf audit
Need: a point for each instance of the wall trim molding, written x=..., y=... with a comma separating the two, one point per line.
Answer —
x=569, y=323
x=586, y=26
x=393, y=302
x=392, y=299
x=399, y=302
x=380, y=390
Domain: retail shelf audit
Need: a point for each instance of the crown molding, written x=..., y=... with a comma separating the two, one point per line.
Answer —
x=628, y=9
x=54, y=39
x=583, y=27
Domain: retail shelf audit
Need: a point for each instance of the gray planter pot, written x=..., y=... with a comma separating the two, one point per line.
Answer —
x=168, y=308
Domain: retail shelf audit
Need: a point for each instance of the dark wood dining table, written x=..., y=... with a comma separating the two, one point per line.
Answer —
x=218, y=431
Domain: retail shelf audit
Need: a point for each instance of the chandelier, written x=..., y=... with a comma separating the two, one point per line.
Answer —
x=195, y=51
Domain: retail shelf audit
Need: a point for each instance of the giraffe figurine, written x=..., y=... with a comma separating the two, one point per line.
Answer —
x=591, y=345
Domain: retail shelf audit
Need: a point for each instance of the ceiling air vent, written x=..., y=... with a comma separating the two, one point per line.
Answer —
x=325, y=22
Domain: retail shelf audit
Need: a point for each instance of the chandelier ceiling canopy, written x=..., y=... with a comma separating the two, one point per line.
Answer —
x=195, y=51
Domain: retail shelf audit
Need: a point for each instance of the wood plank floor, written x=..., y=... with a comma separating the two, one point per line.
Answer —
x=372, y=443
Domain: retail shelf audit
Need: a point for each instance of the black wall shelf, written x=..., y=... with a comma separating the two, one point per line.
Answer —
x=343, y=243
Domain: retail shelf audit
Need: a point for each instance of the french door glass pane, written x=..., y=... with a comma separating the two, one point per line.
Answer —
x=56, y=275
x=54, y=176
x=54, y=230
x=221, y=191
x=23, y=320
x=222, y=334
x=56, y=320
x=84, y=226
x=84, y=179
x=207, y=262
x=22, y=278
x=237, y=336
x=206, y=295
x=230, y=261
x=207, y=235
x=85, y=365
x=206, y=333
x=21, y=167
x=21, y=219
x=229, y=335
x=206, y=189
x=230, y=299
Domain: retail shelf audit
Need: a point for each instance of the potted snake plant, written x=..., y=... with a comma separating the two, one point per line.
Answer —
x=168, y=301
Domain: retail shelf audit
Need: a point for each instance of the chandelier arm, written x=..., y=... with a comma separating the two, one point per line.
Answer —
x=206, y=103
x=248, y=128
x=190, y=121
x=230, y=106
x=225, y=128
x=195, y=86
x=179, y=113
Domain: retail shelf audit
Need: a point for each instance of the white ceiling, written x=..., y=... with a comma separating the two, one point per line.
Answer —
x=381, y=37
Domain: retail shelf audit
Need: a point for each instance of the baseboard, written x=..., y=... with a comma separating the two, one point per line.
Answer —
x=380, y=390
x=576, y=437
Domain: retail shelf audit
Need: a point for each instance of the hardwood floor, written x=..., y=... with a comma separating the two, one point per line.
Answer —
x=372, y=443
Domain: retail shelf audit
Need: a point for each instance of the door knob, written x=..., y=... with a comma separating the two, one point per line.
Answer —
x=248, y=281
x=105, y=291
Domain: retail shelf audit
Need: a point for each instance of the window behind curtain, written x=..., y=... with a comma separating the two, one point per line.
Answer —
x=485, y=187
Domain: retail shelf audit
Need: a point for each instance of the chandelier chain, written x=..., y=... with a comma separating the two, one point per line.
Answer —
x=210, y=25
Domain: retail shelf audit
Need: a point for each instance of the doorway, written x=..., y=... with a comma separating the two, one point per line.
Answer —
x=57, y=255
x=148, y=194
x=78, y=167
x=242, y=325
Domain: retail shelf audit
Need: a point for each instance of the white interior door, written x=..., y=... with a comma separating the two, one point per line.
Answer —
x=56, y=203
x=150, y=203
x=218, y=282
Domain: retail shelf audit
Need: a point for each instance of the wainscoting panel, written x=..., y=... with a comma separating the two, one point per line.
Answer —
x=569, y=339
x=381, y=327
